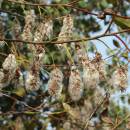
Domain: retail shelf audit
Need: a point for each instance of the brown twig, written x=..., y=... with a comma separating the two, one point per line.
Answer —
x=118, y=124
x=12, y=13
x=70, y=41
x=109, y=26
x=102, y=101
x=15, y=99
x=122, y=42
x=84, y=10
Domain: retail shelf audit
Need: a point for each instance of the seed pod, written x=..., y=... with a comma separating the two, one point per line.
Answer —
x=75, y=88
x=66, y=30
x=32, y=82
x=90, y=76
x=10, y=63
x=55, y=83
x=119, y=78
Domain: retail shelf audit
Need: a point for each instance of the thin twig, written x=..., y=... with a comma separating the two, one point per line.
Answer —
x=12, y=13
x=84, y=10
x=95, y=110
x=122, y=42
x=118, y=124
x=109, y=26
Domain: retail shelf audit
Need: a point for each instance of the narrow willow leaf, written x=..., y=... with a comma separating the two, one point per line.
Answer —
x=71, y=111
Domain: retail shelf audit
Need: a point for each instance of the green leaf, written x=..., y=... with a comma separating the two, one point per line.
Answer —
x=121, y=22
x=125, y=55
x=20, y=92
x=116, y=43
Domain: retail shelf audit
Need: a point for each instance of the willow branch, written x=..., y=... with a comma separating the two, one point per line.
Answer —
x=12, y=13
x=84, y=10
x=69, y=41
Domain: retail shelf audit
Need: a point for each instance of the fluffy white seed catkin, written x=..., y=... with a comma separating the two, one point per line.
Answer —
x=100, y=66
x=75, y=88
x=8, y=71
x=55, y=83
x=119, y=78
x=32, y=82
x=43, y=32
x=10, y=63
x=90, y=72
x=27, y=31
x=90, y=76
x=66, y=30
x=4, y=80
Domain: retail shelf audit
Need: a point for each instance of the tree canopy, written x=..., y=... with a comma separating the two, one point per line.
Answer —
x=61, y=63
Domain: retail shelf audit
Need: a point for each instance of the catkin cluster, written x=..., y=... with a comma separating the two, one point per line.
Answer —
x=8, y=70
x=55, y=83
x=90, y=72
x=75, y=87
x=29, y=21
x=66, y=30
x=119, y=78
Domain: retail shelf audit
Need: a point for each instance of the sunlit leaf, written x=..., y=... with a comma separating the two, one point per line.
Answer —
x=71, y=111
x=121, y=22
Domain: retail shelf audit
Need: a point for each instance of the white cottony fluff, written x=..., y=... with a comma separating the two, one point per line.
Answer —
x=90, y=76
x=10, y=63
x=119, y=78
x=32, y=82
x=75, y=84
x=55, y=83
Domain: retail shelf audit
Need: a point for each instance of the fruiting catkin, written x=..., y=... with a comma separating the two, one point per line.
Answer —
x=66, y=30
x=55, y=83
x=27, y=31
x=90, y=76
x=119, y=78
x=75, y=87
x=8, y=70
x=90, y=72
x=32, y=82
x=100, y=65
x=10, y=63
